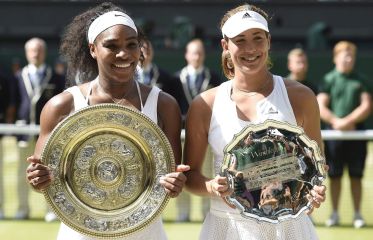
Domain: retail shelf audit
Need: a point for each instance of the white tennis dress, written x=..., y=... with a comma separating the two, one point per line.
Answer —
x=155, y=230
x=223, y=222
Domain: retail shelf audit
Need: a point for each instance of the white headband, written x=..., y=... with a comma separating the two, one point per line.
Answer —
x=243, y=21
x=107, y=20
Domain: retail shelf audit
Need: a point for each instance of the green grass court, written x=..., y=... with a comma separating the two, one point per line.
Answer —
x=37, y=229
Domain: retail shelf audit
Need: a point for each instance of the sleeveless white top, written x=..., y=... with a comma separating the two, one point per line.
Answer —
x=224, y=222
x=155, y=230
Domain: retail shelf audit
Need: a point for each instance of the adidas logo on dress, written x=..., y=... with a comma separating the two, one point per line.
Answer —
x=271, y=110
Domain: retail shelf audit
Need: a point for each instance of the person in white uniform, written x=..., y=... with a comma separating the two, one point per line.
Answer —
x=110, y=58
x=252, y=95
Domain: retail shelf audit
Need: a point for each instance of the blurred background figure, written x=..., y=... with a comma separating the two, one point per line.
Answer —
x=60, y=67
x=149, y=73
x=7, y=115
x=195, y=77
x=344, y=104
x=298, y=67
x=190, y=81
x=182, y=31
x=37, y=83
x=16, y=66
x=318, y=36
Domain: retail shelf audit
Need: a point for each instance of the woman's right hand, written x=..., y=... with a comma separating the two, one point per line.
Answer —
x=218, y=186
x=38, y=175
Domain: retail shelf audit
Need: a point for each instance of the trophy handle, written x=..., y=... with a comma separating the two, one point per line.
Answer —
x=231, y=199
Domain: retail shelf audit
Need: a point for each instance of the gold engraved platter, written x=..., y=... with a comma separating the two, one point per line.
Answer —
x=271, y=168
x=106, y=161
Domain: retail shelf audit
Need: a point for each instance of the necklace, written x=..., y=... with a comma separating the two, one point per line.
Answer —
x=251, y=93
x=116, y=101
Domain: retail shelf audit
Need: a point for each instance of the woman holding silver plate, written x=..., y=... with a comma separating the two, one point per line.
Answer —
x=251, y=96
x=112, y=54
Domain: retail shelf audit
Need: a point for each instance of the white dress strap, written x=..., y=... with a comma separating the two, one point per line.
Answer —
x=79, y=100
x=139, y=93
x=151, y=104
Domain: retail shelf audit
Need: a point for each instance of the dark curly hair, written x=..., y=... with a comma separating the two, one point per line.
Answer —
x=74, y=43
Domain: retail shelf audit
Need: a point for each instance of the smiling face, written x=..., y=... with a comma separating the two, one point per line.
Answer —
x=117, y=53
x=248, y=50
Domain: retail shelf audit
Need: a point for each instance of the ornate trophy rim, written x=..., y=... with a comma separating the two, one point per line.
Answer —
x=154, y=158
x=250, y=212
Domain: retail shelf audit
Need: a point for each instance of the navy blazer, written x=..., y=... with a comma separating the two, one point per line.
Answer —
x=32, y=101
x=160, y=78
x=181, y=89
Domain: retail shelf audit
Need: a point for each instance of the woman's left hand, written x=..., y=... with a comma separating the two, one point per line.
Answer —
x=174, y=182
x=316, y=197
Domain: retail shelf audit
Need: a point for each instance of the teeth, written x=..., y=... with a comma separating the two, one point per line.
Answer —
x=250, y=59
x=123, y=65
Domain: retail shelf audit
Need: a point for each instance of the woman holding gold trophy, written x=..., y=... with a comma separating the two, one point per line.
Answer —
x=251, y=96
x=110, y=58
